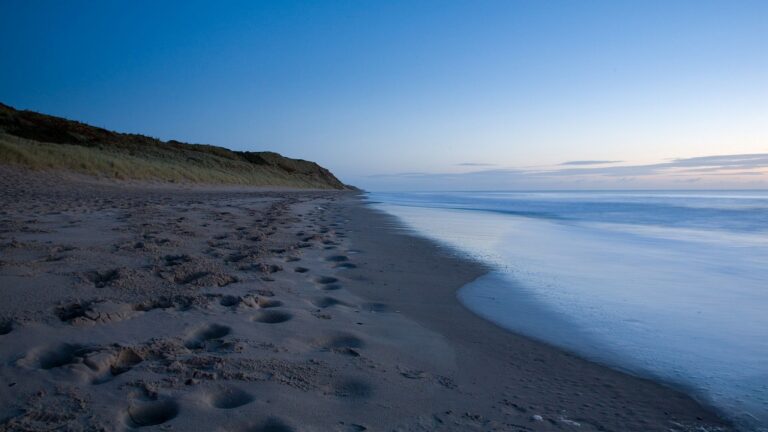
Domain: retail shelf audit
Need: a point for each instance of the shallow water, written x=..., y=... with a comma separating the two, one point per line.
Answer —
x=672, y=285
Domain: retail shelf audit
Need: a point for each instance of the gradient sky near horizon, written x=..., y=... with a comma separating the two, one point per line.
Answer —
x=418, y=94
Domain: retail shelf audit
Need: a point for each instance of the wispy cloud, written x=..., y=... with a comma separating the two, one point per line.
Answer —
x=475, y=164
x=755, y=160
x=481, y=173
x=590, y=162
x=682, y=165
x=706, y=171
x=735, y=173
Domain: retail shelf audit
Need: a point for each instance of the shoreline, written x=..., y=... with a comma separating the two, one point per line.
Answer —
x=129, y=306
x=656, y=398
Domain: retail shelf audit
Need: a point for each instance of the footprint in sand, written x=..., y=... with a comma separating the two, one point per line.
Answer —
x=72, y=311
x=230, y=301
x=58, y=356
x=174, y=260
x=326, y=302
x=211, y=332
x=229, y=398
x=342, y=340
x=342, y=343
x=151, y=413
x=6, y=327
x=326, y=280
x=125, y=360
x=337, y=258
x=272, y=317
x=353, y=388
x=271, y=424
x=107, y=364
x=102, y=279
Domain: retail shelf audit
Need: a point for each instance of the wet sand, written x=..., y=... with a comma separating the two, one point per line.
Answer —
x=127, y=306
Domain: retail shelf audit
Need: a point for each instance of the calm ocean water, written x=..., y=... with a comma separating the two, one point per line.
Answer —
x=671, y=285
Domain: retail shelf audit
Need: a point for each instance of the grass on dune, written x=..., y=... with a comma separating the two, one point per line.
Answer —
x=124, y=165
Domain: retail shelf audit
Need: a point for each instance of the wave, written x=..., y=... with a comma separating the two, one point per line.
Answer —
x=672, y=286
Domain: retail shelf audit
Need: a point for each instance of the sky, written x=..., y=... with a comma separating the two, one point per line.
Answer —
x=418, y=94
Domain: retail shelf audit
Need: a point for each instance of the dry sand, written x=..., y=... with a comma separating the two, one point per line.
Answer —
x=169, y=308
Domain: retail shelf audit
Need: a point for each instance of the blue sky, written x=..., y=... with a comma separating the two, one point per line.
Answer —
x=409, y=94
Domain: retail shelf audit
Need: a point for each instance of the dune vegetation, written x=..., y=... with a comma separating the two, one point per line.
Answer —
x=42, y=142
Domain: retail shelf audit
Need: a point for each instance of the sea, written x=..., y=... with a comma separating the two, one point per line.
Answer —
x=669, y=285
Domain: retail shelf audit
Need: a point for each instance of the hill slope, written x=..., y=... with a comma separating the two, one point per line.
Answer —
x=41, y=141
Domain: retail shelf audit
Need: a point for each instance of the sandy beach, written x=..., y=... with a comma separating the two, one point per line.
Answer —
x=161, y=307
